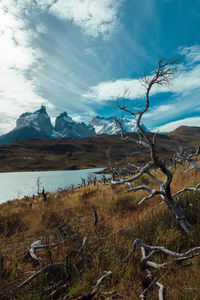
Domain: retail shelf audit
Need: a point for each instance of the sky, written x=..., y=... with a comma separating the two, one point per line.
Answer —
x=79, y=56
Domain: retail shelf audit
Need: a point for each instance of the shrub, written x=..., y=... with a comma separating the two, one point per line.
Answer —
x=11, y=224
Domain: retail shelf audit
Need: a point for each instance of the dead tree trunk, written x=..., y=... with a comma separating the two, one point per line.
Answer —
x=162, y=76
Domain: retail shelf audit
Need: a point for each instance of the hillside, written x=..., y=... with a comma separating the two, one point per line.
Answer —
x=68, y=154
x=186, y=134
x=81, y=247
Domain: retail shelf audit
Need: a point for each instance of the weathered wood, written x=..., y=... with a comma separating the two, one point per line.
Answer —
x=38, y=273
x=39, y=245
x=90, y=295
x=161, y=76
x=95, y=215
x=148, y=281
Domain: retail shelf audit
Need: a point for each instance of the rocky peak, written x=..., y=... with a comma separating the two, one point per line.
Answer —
x=66, y=127
x=42, y=110
x=62, y=122
x=38, y=119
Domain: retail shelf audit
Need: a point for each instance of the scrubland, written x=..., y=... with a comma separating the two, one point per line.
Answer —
x=86, y=250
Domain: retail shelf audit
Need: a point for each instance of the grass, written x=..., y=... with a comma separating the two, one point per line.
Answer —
x=68, y=217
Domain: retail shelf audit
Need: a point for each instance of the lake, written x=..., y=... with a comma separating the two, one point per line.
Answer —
x=16, y=185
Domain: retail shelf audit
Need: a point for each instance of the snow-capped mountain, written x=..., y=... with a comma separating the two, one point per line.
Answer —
x=39, y=120
x=109, y=125
x=38, y=125
x=66, y=127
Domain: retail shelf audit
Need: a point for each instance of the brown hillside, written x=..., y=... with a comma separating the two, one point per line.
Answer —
x=68, y=154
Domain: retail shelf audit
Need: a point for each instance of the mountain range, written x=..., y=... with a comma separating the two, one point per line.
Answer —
x=38, y=125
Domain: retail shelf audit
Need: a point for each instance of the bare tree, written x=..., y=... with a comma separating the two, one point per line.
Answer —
x=161, y=76
x=183, y=157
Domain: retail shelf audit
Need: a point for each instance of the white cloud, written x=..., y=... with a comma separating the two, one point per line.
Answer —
x=17, y=58
x=192, y=54
x=94, y=17
x=77, y=118
x=112, y=89
x=83, y=117
x=187, y=78
x=159, y=111
x=194, y=121
x=45, y=4
x=41, y=28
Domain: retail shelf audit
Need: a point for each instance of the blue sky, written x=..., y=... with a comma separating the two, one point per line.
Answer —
x=79, y=55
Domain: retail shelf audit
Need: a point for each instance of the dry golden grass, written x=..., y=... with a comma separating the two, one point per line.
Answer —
x=24, y=221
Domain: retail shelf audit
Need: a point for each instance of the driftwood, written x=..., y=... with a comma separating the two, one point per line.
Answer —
x=145, y=262
x=39, y=245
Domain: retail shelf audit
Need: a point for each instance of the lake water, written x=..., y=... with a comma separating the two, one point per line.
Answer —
x=19, y=184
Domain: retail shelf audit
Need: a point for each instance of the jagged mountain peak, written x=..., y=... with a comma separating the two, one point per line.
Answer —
x=42, y=110
x=39, y=120
x=67, y=127
x=38, y=124
x=108, y=125
x=65, y=117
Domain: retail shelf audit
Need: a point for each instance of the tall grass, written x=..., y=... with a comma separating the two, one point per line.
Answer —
x=67, y=217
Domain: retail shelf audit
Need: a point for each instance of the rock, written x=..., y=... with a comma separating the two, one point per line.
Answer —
x=66, y=127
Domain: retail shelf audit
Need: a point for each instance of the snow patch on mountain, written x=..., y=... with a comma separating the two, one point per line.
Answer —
x=109, y=125
x=39, y=120
x=66, y=127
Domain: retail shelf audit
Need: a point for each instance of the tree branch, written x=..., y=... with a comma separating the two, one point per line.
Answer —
x=192, y=189
x=38, y=273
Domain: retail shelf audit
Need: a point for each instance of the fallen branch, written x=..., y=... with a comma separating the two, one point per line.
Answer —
x=95, y=215
x=141, y=172
x=145, y=263
x=192, y=189
x=161, y=291
x=96, y=287
x=38, y=273
x=162, y=249
x=39, y=245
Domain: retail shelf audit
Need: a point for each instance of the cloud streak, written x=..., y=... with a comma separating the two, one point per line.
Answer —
x=18, y=88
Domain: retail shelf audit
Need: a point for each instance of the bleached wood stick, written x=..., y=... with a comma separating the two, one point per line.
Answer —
x=96, y=287
x=38, y=273
x=161, y=291
x=193, y=189
x=162, y=249
x=141, y=172
x=39, y=245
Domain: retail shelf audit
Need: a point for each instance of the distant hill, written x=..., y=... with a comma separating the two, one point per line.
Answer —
x=187, y=135
x=69, y=154
x=187, y=131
